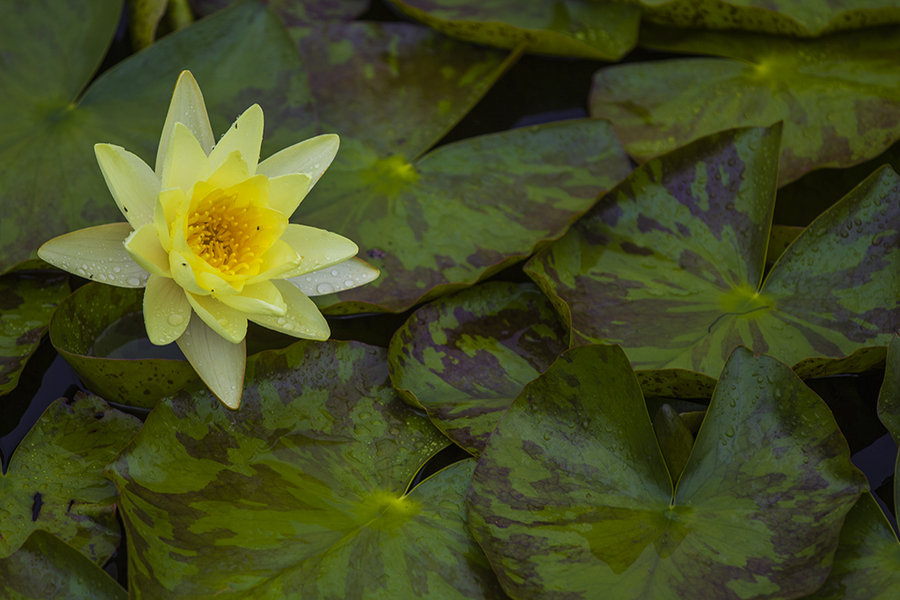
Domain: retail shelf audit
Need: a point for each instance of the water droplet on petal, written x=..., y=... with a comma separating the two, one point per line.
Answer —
x=281, y=320
x=348, y=283
x=175, y=319
x=101, y=277
x=117, y=269
x=134, y=281
x=324, y=288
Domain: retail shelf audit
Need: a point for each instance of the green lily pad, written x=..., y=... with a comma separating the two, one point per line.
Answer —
x=867, y=561
x=837, y=96
x=889, y=396
x=28, y=295
x=55, y=483
x=465, y=210
x=46, y=567
x=302, y=493
x=48, y=119
x=464, y=358
x=75, y=328
x=574, y=470
x=670, y=266
x=308, y=11
x=793, y=17
x=593, y=29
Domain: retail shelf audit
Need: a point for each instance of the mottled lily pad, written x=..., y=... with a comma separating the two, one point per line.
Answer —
x=670, y=265
x=303, y=493
x=838, y=97
x=793, y=17
x=240, y=56
x=82, y=318
x=465, y=210
x=28, y=295
x=464, y=358
x=46, y=567
x=592, y=29
x=574, y=470
x=55, y=483
x=867, y=561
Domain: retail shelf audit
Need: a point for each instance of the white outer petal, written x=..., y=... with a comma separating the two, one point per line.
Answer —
x=218, y=362
x=96, y=253
x=347, y=275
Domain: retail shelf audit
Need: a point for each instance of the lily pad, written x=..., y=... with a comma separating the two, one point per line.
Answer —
x=55, y=483
x=308, y=11
x=46, y=567
x=464, y=358
x=465, y=210
x=837, y=96
x=74, y=330
x=302, y=493
x=867, y=561
x=670, y=266
x=792, y=17
x=28, y=295
x=592, y=29
x=49, y=116
x=574, y=470
x=889, y=396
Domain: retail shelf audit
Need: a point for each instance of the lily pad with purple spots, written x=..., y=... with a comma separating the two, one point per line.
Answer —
x=593, y=29
x=46, y=567
x=460, y=213
x=574, y=470
x=670, y=265
x=28, y=295
x=837, y=96
x=55, y=479
x=792, y=17
x=867, y=561
x=464, y=358
x=81, y=331
x=302, y=493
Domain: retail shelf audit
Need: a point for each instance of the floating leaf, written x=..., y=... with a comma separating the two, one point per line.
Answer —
x=240, y=56
x=82, y=319
x=838, y=96
x=301, y=493
x=867, y=561
x=465, y=210
x=55, y=483
x=598, y=30
x=793, y=17
x=28, y=295
x=573, y=470
x=464, y=358
x=307, y=12
x=670, y=265
x=46, y=567
x=889, y=396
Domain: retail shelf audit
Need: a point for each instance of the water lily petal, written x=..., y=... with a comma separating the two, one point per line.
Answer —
x=317, y=248
x=231, y=171
x=187, y=107
x=183, y=273
x=244, y=137
x=287, y=191
x=96, y=253
x=260, y=298
x=218, y=362
x=278, y=260
x=349, y=274
x=231, y=324
x=216, y=284
x=167, y=205
x=144, y=247
x=302, y=318
x=185, y=162
x=166, y=310
x=133, y=184
x=310, y=156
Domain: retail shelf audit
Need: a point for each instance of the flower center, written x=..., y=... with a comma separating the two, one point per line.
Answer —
x=230, y=233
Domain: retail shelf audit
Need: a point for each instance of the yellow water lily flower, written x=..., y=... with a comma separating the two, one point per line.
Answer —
x=208, y=237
